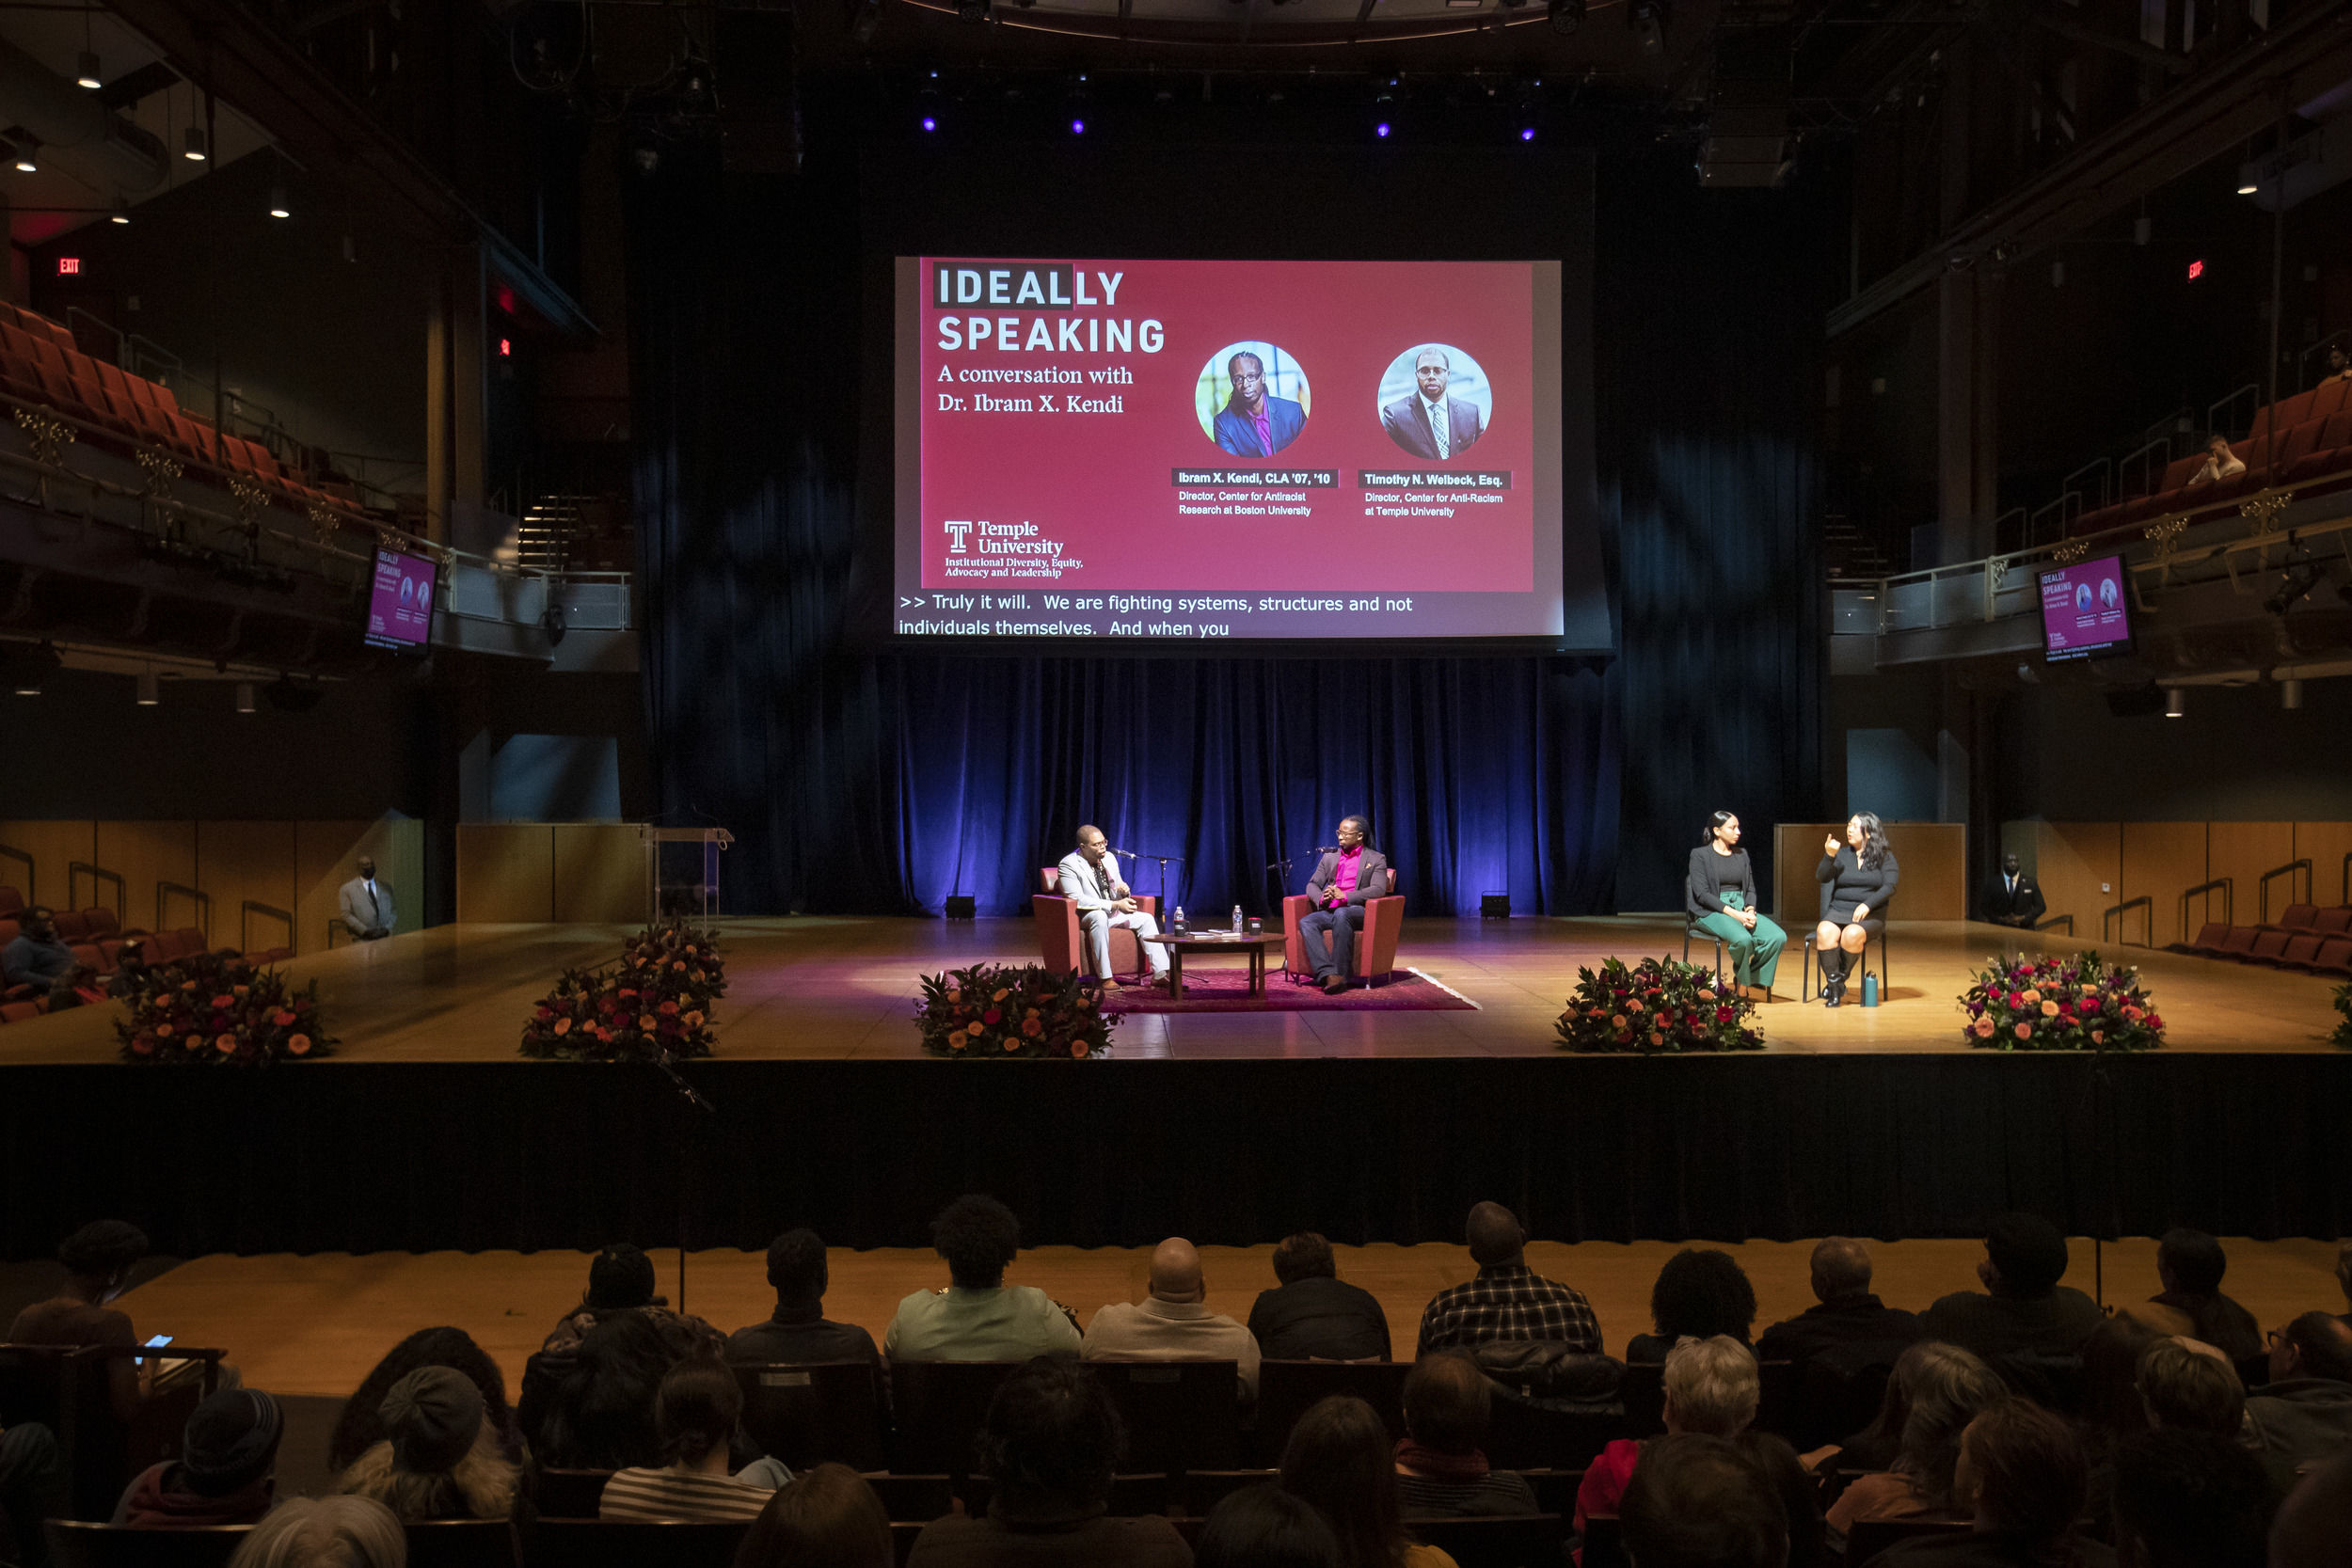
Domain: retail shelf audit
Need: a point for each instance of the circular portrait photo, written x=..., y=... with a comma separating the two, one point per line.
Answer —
x=1434, y=401
x=2082, y=595
x=2108, y=596
x=1251, y=400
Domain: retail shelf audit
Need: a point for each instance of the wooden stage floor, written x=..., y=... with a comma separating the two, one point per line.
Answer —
x=825, y=988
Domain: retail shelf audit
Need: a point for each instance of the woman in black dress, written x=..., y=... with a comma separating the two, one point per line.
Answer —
x=1860, y=875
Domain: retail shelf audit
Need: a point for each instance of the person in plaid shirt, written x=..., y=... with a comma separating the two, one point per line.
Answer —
x=1507, y=1299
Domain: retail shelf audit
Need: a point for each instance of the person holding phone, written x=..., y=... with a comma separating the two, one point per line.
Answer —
x=1859, y=875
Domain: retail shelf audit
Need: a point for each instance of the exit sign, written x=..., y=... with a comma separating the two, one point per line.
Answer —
x=69, y=266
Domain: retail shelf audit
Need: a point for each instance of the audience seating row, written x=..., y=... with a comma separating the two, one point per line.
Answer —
x=2303, y=441
x=103, y=955
x=40, y=364
x=2306, y=938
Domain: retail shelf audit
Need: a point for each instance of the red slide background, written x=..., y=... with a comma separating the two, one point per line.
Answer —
x=1101, y=484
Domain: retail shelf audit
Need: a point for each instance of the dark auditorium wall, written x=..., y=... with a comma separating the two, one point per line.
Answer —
x=859, y=779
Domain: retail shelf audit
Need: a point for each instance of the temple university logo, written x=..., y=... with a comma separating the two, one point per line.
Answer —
x=956, y=533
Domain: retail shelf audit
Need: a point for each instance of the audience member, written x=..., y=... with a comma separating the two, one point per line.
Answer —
x=1697, y=1501
x=1845, y=1315
x=1173, y=1322
x=1699, y=1294
x=98, y=1259
x=36, y=957
x=2111, y=1405
x=2339, y=363
x=223, y=1476
x=695, y=1413
x=1441, y=1470
x=978, y=1317
x=360, y=1426
x=2220, y=462
x=32, y=1488
x=2189, y=1500
x=2185, y=1384
x=1264, y=1527
x=2314, y=1525
x=2302, y=1416
x=1313, y=1314
x=1712, y=1389
x=2189, y=1265
x=1506, y=1300
x=1945, y=1387
x=2024, y=1310
x=1050, y=1445
x=325, y=1532
x=797, y=1332
x=439, y=1458
x=620, y=1281
x=590, y=1408
x=2021, y=1471
x=828, y=1517
x=1339, y=1459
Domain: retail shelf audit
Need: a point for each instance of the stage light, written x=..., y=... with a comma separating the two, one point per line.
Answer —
x=85, y=70
x=245, y=697
x=150, y=690
x=1381, y=129
x=2173, y=703
x=2290, y=694
x=1527, y=133
x=191, y=146
x=30, y=666
x=1648, y=18
x=1566, y=15
x=959, y=906
x=27, y=162
x=1077, y=127
x=122, y=212
x=930, y=123
x=277, y=208
x=2246, y=188
x=1494, y=905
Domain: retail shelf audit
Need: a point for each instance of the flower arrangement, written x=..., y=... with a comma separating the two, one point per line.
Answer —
x=1658, y=1007
x=2342, y=1037
x=992, y=1011
x=655, y=1002
x=2059, y=1004
x=217, y=1009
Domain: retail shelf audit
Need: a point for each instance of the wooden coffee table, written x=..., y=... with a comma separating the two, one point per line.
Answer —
x=1215, y=941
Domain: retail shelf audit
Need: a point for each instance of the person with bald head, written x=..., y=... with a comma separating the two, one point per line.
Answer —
x=1844, y=1313
x=1173, y=1322
x=1506, y=1299
x=1088, y=877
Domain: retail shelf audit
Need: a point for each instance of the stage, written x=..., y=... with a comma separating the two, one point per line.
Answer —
x=819, y=989
x=426, y=1131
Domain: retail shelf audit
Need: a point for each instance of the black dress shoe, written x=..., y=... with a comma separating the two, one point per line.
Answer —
x=1334, y=984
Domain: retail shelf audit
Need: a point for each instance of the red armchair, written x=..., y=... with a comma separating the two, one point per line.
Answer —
x=1375, y=944
x=1064, y=947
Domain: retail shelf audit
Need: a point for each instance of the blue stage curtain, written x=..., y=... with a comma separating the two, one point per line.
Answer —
x=867, y=782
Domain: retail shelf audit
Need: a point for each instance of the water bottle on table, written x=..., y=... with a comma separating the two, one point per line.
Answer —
x=1176, y=920
x=1236, y=920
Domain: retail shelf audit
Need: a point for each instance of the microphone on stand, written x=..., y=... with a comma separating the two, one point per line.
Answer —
x=1128, y=854
x=1326, y=849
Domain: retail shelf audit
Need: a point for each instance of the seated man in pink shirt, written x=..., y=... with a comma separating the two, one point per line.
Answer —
x=1344, y=881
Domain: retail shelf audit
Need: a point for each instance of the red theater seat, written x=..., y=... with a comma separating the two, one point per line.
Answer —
x=2239, y=942
x=2301, y=949
x=72, y=926
x=2270, y=942
x=2207, y=942
x=88, y=955
x=8, y=932
x=2336, y=919
x=2334, y=957
x=2297, y=917
x=101, y=921
x=10, y=900
x=16, y=1012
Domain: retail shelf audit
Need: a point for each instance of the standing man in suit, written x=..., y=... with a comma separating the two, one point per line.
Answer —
x=1345, y=879
x=367, y=903
x=1089, y=878
x=1253, y=422
x=2013, y=898
x=1430, y=425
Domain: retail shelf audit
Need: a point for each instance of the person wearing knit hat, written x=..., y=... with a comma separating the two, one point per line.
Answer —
x=98, y=1259
x=223, y=1474
x=620, y=1280
x=441, y=1459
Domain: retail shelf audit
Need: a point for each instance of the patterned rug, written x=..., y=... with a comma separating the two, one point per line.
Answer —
x=1227, y=990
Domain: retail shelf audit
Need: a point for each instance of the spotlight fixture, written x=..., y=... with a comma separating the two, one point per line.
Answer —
x=29, y=666
x=277, y=208
x=2173, y=703
x=150, y=690
x=929, y=122
x=1648, y=18
x=27, y=162
x=1567, y=16
x=245, y=697
x=2058, y=274
x=85, y=70
x=2142, y=230
x=1527, y=133
x=193, y=147
x=2290, y=694
x=1381, y=129
x=122, y=210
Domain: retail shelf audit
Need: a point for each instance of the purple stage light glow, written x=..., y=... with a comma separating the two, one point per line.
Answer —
x=1527, y=133
x=1381, y=129
x=1077, y=127
x=930, y=124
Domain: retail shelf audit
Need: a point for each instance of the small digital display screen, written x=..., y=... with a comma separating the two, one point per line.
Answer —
x=2084, y=610
x=400, y=606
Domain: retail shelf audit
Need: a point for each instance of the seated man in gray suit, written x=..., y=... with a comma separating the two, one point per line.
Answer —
x=367, y=903
x=1089, y=878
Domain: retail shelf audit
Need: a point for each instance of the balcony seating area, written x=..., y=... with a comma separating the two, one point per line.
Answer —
x=41, y=365
x=100, y=942
x=2306, y=939
x=2303, y=442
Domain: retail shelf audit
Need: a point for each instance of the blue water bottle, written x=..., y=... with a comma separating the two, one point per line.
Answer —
x=1869, y=991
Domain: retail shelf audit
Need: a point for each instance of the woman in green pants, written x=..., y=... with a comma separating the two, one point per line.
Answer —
x=1722, y=898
